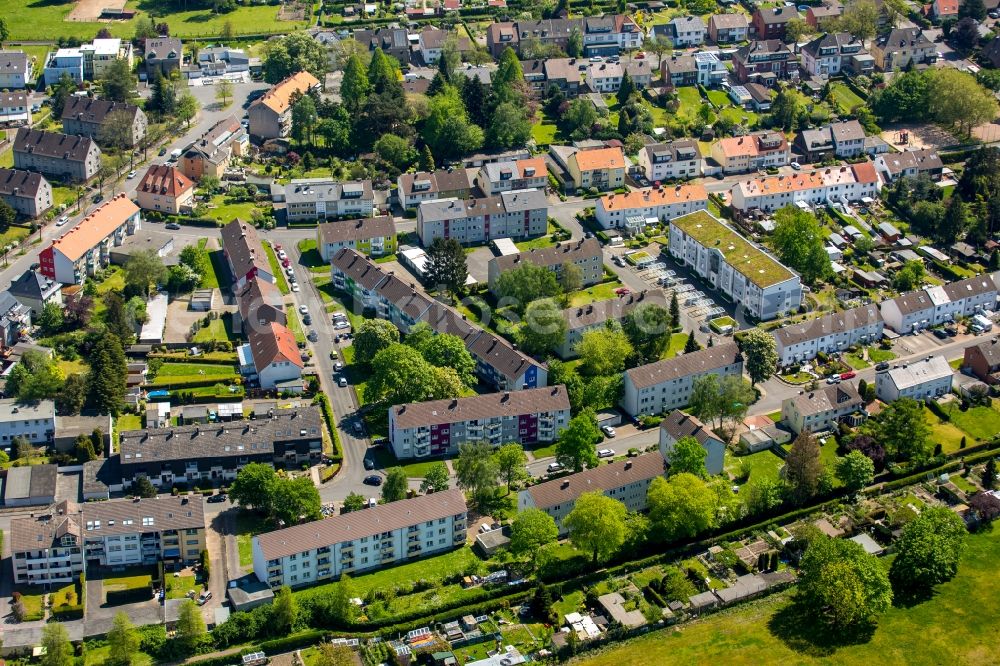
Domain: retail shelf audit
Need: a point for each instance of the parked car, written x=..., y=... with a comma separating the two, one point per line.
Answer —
x=848, y=375
x=342, y=382
x=606, y=453
x=173, y=226
x=313, y=336
x=204, y=597
x=163, y=151
x=369, y=464
x=879, y=367
x=373, y=480
x=833, y=380
x=130, y=175
x=307, y=319
x=62, y=220
x=358, y=427
x=608, y=431
x=939, y=333
x=338, y=366
x=554, y=467
x=213, y=499
x=295, y=287
x=303, y=309
x=795, y=165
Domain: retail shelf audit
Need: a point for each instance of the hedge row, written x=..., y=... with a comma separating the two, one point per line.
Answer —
x=116, y=597
x=66, y=613
x=331, y=424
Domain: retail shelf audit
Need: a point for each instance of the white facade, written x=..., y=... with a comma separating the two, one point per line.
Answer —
x=834, y=332
x=614, y=211
x=35, y=423
x=921, y=380
x=821, y=410
x=676, y=160
x=514, y=214
x=816, y=187
x=320, y=198
x=17, y=70
x=935, y=305
x=666, y=385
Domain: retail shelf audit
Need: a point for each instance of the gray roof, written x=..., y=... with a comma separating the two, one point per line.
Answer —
x=848, y=130
x=486, y=406
x=901, y=38
x=678, y=424
x=358, y=268
x=728, y=21
x=681, y=64
x=32, y=284
x=13, y=61
x=33, y=481
x=91, y=110
x=973, y=286
x=916, y=373
x=552, y=256
x=243, y=247
x=603, y=477
x=835, y=322
x=498, y=353
x=990, y=351
x=45, y=530
x=830, y=40
x=21, y=183
x=442, y=180
x=913, y=301
x=510, y=169
x=163, y=48
x=12, y=410
x=100, y=474
x=307, y=190
x=149, y=514
x=704, y=360
x=688, y=23
x=827, y=399
x=680, y=149
x=16, y=98
x=614, y=309
x=356, y=230
x=52, y=144
x=776, y=15
x=925, y=159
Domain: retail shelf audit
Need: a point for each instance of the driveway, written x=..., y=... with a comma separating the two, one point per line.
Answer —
x=100, y=617
x=68, y=486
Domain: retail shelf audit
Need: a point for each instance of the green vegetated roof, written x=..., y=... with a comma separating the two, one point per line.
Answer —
x=752, y=262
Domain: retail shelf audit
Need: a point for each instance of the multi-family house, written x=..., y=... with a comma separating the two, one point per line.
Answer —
x=598, y=168
x=75, y=158
x=400, y=302
x=221, y=60
x=322, y=198
x=678, y=159
x=935, y=305
x=15, y=109
x=606, y=77
x=271, y=357
x=834, y=332
x=143, y=531
x=823, y=16
x=511, y=214
x=162, y=55
x=770, y=22
x=213, y=151
x=87, y=116
x=88, y=61
x=504, y=367
x=259, y=304
x=609, y=35
x=34, y=291
x=34, y=422
x=624, y=480
x=382, y=535
x=497, y=177
x=29, y=194
x=679, y=70
x=86, y=248
x=910, y=164
x=983, y=360
x=394, y=42
x=165, y=189
x=944, y=9
x=666, y=385
x=632, y=211
x=15, y=320
x=47, y=548
x=15, y=70
x=564, y=73
x=244, y=254
x=439, y=427
x=685, y=31
x=431, y=42
x=830, y=54
x=843, y=139
x=216, y=452
x=814, y=187
x=583, y=318
x=901, y=47
x=585, y=254
x=371, y=236
x=711, y=70
x=728, y=28
x=766, y=61
x=821, y=410
x=740, y=270
x=412, y=188
x=271, y=115
x=759, y=150
x=677, y=425
x=356, y=276
x=63, y=62
x=925, y=379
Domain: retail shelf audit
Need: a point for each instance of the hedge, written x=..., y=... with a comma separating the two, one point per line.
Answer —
x=66, y=613
x=116, y=597
x=289, y=643
x=331, y=424
x=938, y=411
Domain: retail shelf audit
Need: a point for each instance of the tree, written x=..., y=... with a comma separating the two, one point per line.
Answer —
x=61, y=92
x=786, y=109
x=648, y=329
x=544, y=327
x=447, y=129
x=295, y=500
x=974, y=9
x=681, y=506
x=294, y=53
x=910, y=276
x=224, y=92
x=691, y=345
x=957, y=100
x=118, y=84
x=955, y=220
x=675, y=310
x=373, y=335
x=803, y=468
x=436, y=480
x=476, y=470
x=84, y=449
x=426, y=159
x=187, y=108
x=4, y=31
x=383, y=74
x=354, y=502
x=530, y=530
x=254, y=487
x=574, y=45
x=395, y=486
x=446, y=267
x=796, y=29
x=396, y=150
x=108, y=372
x=762, y=495
x=528, y=282
x=575, y=448
x=400, y=375
x=58, y=651
x=143, y=487
x=985, y=508
x=163, y=96
x=903, y=431
x=36, y=377
x=144, y=269
x=51, y=318
x=123, y=640
x=304, y=119
x=341, y=608
x=354, y=87
x=965, y=35
x=990, y=474
x=687, y=457
x=448, y=351
x=842, y=584
x=190, y=627
x=760, y=354
x=860, y=19
x=626, y=90
x=717, y=401
x=7, y=216
x=855, y=470
x=510, y=461
x=579, y=118
x=596, y=525
x=509, y=127
x=285, y=611
x=928, y=551
x=116, y=131
x=603, y=351
x=798, y=240
x=73, y=394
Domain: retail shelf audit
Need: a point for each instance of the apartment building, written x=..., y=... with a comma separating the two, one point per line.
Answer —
x=910, y=164
x=88, y=61
x=497, y=177
x=678, y=425
x=34, y=291
x=165, y=189
x=15, y=321
x=213, y=453
x=770, y=22
x=743, y=272
x=633, y=210
x=925, y=379
x=221, y=60
x=60, y=156
x=142, y=532
x=15, y=109
x=360, y=540
x=821, y=410
x=765, y=61
x=502, y=366
x=759, y=150
x=63, y=62
x=935, y=305
x=663, y=386
x=432, y=40
x=817, y=187
x=832, y=54
x=831, y=333
x=357, y=277
x=512, y=214
x=606, y=77
x=15, y=70
x=902, y=47
x=34, y=422
x=599, y=168
x=88, y=116
x=624, y=480
x=308, y=199
x=244, y=254
x=679, y=71
x=259, y=304
x=394, y=42
x=680, y=159
x=439, y=427
x=413, y=188
x=47, y=549
x=271, y=115
x=86, y=248
x=843, y=139
x=272, y=358
x=371, y=236
x=602, y=35
x=609, y=35
x=983, y=360
x=213, y=151
x=585, y=253
x=400, y=302
x=29, y=194
x=162, y=55
x=592, y=316
x=728, y=28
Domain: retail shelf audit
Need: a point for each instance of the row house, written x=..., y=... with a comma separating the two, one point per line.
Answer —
x=821, y=410
x=15, y=109
x=835, y=53
x=440, y=427
x=215, y=453
x=910, y=164
x=583, y=318
x=831, y=333
x=259, y=303
x=983, y=360
x=702, y=68
x=740, y=270
x=15, y=70
x=245, y=254
x=213, y=152
x=936, y=305
x=371, y=236
x=728, y=28
x=400, y=302
x=677, y=160
x=383, y=535
x=86, y=248
x=634, y=210
x=497, y=177
x=901, y=48
x=271, y=115
x=624, y=480
x=311, y=199
x=815, y=188
x=413, y=188
x=666, y=385
x=564, y=73
x=765, y=61
x=271, y=358
x=60, y=156
x=29, y=194
x=585, y=254
x=357, y=277
x=606, y=77
x=512, y=214
x=752, y=152
x=921, y=380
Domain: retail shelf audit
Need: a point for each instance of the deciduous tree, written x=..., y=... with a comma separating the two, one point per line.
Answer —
x=596, y=525
x=648, y=329
x=285, y=611
x=803, y=468
x=57, y=650
x=476, y=470
x=436, y=480
x=190, y=627
x=842, y=584
x=760, y=356
x=575, y=448
x=528, y=282
x=254, y=486
x=395, y=486
x=687, y=457
x=798, y=239
x=510, y=461
x=544, y=327
x=928, y=551
x=446, y=266
x=855, y=470
x=372, y=336
x=681, y=506
x=123, y=641
x=531, y=529
x=603, y=351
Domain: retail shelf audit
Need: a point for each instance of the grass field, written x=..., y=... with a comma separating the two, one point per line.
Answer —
x=32, y=599
x=187, y=370
x=13, y=235
x=131, y=579
x=545, y=131
x=179, y=586
x=216, y=330
x=846, y=98
x=677, y=342
x=311, y=258
x=247, y=526
x=414, y=470
x=948, y=435
x=980, y=422
x=956, y=626
x=599, y=292
x=763, y=464
x=128, y=422
x=279, y=274
x=690, y=100
x=295, y=326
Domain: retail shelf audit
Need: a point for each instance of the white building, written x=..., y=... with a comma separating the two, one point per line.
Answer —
x=680, y=159
x=685, y=31
x=815, y=188
x=663, y=386
x=606, y=77
x=47, y=549
x=34, y=422
x=821, y=410
x=271, y=356
x=86, y=248
x=633, y=209
x=833, y=332
x=496, y=177
x=382, y=535
x=921, y=380
x=15, y=70
x=737, y=268
x=678, y=425
x=514, y=214
x=322, y=198
x=935, y=305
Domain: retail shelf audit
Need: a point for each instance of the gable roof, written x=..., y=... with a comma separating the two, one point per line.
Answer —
x=600, y=158
x=355, y=230
x=91, y=110
x=273, y=343
x=442, y=180
x=678, y=424
x=95, y=227
x=728, y=21
x=827, y=399
x=279, y=97
x=163, y=48
x=552, y=256
x=166, y=180
x=620, y=473
x=148, y=514
x=53, y=144
x=45, y=530
x=32, y=284
x=13, y=61
x=835, y=322
x=20, y=183
x=243, y=247
x=701, y=361
x=930, y=369
x=488, y=405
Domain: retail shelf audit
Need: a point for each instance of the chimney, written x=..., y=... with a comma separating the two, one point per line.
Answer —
x=564, y=485
x=628, y=464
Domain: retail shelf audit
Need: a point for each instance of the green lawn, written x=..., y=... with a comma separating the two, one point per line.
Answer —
x=956, y=626
x=690, y=101
x=545, y=131
x=599, y=292
x=7, y=157
x=14, y=235
x=128, y=422
x=75, y=367
x=719, y=98
x=179, y=586
x=677, y=342
x=311, y=257
x=216, y=330
x=131, y=579
x=276, y=270
x=856, y=362
x=537, y=243
x=295, y=326
x=877, y=355
x=183, y=373
x=981, y=423
x=414, y=470
x=32, y=598
x=763, y=464
x=846, y=98
x=570, y=603
x=248, y=525
x=948, y=435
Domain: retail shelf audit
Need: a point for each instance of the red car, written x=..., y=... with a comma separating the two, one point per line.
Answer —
x=621, y=291
x=276, y=247
x=848, y=375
